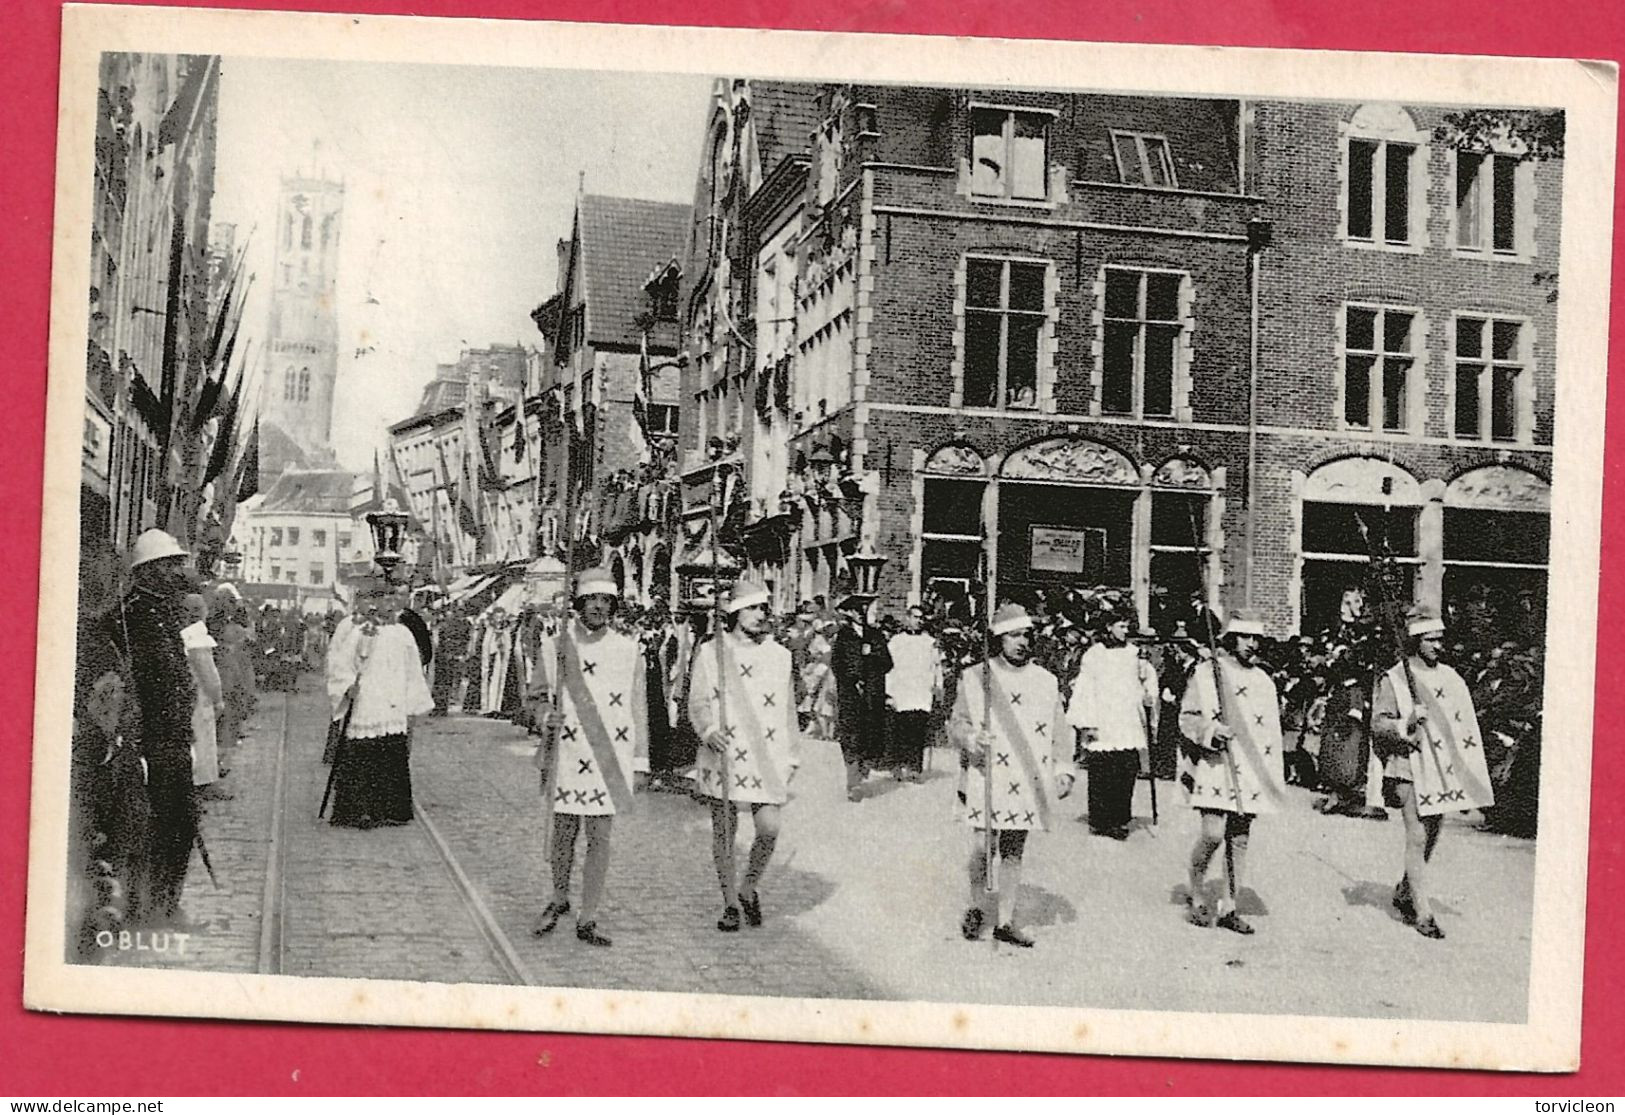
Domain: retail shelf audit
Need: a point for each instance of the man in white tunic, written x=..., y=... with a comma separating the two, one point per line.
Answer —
x=600, y=726
x=913, y=687
x=1425, y=728
x=1231, y=764
x=741, y=701
x=496, y=648
x=1114, y=709
x=1020, y=737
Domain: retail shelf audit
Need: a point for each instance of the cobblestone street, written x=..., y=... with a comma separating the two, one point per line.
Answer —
x=863, y=900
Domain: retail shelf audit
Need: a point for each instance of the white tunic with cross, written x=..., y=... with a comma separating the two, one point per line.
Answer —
x=605, y=720
x=1448, y=768
x=1032, y=745
x=1248, y=775
x=754, y=710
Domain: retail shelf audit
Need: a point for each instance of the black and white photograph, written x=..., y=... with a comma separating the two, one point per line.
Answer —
x=821, y=537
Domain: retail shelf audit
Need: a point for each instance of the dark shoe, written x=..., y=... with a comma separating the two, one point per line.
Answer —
x=1010, y=935
x=1198, y=914
x=1232, y=921
x=729, y=921
x=752, y=907
x=550, y=918
x=1404, y=904
x=1429, y=928
x=589, y=933
x=970, y=926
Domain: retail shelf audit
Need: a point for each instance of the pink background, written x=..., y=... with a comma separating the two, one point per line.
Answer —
x=67, y=1056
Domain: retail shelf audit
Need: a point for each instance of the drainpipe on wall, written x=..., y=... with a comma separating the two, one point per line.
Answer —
x=1259, y=233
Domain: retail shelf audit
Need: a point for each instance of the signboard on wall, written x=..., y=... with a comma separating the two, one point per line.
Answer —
x=1063, y=550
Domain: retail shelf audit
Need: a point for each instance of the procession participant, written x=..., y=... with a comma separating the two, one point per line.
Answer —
x=1231, y=763
x=451, y=648
x=1024, y=745
x=600, y=726
x=746, y=724
x=210, y=705
x=379, y=673
x=151, y=617
x=344, y=631
x=494, y=650
x=860, y=661
x=1114, y=710
x=1426, y=728
x=913, y=688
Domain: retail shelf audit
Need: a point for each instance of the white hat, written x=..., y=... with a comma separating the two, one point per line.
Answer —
x=745, y=594
x=154, y=544
x=1010, y=618
x=1244, y=621
x=596, y=582
x=1424, y=622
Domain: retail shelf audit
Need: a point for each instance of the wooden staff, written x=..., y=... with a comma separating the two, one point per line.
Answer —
x=990, y=861
x=550, y=760
x=1218, y=699
x=717, y=495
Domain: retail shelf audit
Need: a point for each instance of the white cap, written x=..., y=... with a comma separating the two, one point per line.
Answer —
x=745, y=594
x=1424, y=622
x=153, y=545
x=1010, y=617
x=596, y=582
x=1244, y=621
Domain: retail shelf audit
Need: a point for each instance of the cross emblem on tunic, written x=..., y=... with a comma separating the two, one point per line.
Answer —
x=1015, y=698
x=1028, y=818
x=1041, y=728
x=620, y=734
x=755, y=783
x=770, y=733
x=1439, y=693
x=615, y=700
x=1469, y=743
x=728, y=732
x=739, y=781
x=744, y=670
x=588, y=667
x=1241, y=690
x=1015, y=788
x=561, y=797
x=767, y=700
x=976, y=814
x=598, y=797
x=1456, y=716
x=1258, y=719
x=740, y=753
x=584, y=765
x=580, y=796
x=1425, y=799
x=567, y=732
x=1001, y=759
x=716, y=694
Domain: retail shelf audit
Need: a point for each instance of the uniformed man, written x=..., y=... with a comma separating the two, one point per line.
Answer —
x=600, y=729
x=1020, y=737
x=860, y=660
x=1231, y=763
x=741, y=703
x=1426, y=730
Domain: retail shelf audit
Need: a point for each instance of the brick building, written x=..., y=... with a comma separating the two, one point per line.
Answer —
x=1167, y=345
x=612, y=327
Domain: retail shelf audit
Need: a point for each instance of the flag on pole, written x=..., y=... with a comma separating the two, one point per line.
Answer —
x=641, y=441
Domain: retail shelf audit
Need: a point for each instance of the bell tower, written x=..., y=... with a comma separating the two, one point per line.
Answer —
x=296, y=403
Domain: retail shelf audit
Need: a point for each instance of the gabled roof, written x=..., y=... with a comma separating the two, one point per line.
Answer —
x=784, y=115
x=307, y=492
x=622, y=240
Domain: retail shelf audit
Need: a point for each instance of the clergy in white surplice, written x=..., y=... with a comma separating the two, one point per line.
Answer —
x=1010, y=725
x=741, y=701
x=1424, y=727
x=1113, y=709
x=599, y=727
x=1231, y=765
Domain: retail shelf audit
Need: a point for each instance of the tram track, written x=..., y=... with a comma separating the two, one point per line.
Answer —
x=285, y=941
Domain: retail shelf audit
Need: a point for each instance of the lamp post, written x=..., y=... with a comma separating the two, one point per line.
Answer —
x=388, y=528
x=866, y=565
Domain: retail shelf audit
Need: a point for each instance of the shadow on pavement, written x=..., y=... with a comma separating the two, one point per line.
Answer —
x=1039, y=907
x=1381, y=896
x=1248, y=902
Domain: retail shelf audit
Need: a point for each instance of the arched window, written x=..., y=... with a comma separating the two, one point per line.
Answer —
x=1384, y=179
x=304, y=232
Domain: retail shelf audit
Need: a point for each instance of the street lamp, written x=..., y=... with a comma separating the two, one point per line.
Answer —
x=232, y=560
x=388, y=528
x=866, y=564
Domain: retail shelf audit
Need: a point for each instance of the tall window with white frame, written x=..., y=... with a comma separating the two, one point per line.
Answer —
x=1004, y=328
x=1141, y=343
x=1143, y=159
x=1379, y=191
x=1487, y=202
x=1489, y=375
x=1009, y=154
x=951, y=541
x=1378, y=357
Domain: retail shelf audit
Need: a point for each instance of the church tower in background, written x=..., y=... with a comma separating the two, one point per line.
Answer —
x=296, y=404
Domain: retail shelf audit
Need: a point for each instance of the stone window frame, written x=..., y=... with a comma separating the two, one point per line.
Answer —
x=1047, y=340
x=1141, y=148
x=1055, y=176
x=1183, y=376
x=1524, y=394
x=1524, y=218
x=1384, y=124
x=1416, y=382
